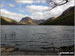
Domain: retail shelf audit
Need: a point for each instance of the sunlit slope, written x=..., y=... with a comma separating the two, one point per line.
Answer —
x=7, y=21
x=27, y=21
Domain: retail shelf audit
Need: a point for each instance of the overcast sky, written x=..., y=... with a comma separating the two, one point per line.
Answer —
x=36, y=9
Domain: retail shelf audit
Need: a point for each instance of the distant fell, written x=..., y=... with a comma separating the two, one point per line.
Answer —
x=27, y=21
x=30, y=21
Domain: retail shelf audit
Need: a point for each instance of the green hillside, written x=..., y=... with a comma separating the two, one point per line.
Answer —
x=7, y=21
x=67, y=18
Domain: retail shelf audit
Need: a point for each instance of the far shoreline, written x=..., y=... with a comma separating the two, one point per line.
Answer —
x=41, y=25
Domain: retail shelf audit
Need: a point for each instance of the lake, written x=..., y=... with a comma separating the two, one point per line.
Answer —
x=35, y=37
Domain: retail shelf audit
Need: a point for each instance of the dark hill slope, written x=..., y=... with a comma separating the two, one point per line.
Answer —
x=67, y=18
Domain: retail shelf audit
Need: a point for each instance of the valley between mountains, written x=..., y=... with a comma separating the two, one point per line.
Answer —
x=67, y=18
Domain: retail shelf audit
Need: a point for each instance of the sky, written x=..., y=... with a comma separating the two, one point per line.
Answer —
x=36, y=9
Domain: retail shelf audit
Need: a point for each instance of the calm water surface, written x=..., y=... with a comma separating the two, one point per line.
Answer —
x=34, y=37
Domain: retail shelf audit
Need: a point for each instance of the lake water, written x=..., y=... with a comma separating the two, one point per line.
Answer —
x=34, y=37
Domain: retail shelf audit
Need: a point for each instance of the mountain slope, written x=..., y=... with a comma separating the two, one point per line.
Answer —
x=7, y=21
x=67, y=18
x=27, y=21
x=30, y=21
x=24, y=21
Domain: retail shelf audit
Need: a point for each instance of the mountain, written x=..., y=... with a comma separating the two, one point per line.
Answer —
x=30, y=21
x=7, y=21
x=24, y=21
x=67, y=18
x=68, y=11
x=27, y=21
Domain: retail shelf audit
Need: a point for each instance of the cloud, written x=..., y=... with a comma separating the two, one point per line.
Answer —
x=53, y=13
x=39, y=1
x=24, y=1
x=37, y=15
x=58, y=10
x=37, y=11
x=0, y=6
x=37, y=8
x=11, y=15
x=43, y=1
x=30, y=1
x=11, y=5
x=20, y=10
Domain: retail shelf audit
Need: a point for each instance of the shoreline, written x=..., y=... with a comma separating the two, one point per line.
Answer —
x=12, y=50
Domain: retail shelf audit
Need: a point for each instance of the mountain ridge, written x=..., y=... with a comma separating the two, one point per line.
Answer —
x=67, y=18
x=23, y=21
x=27, y=20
